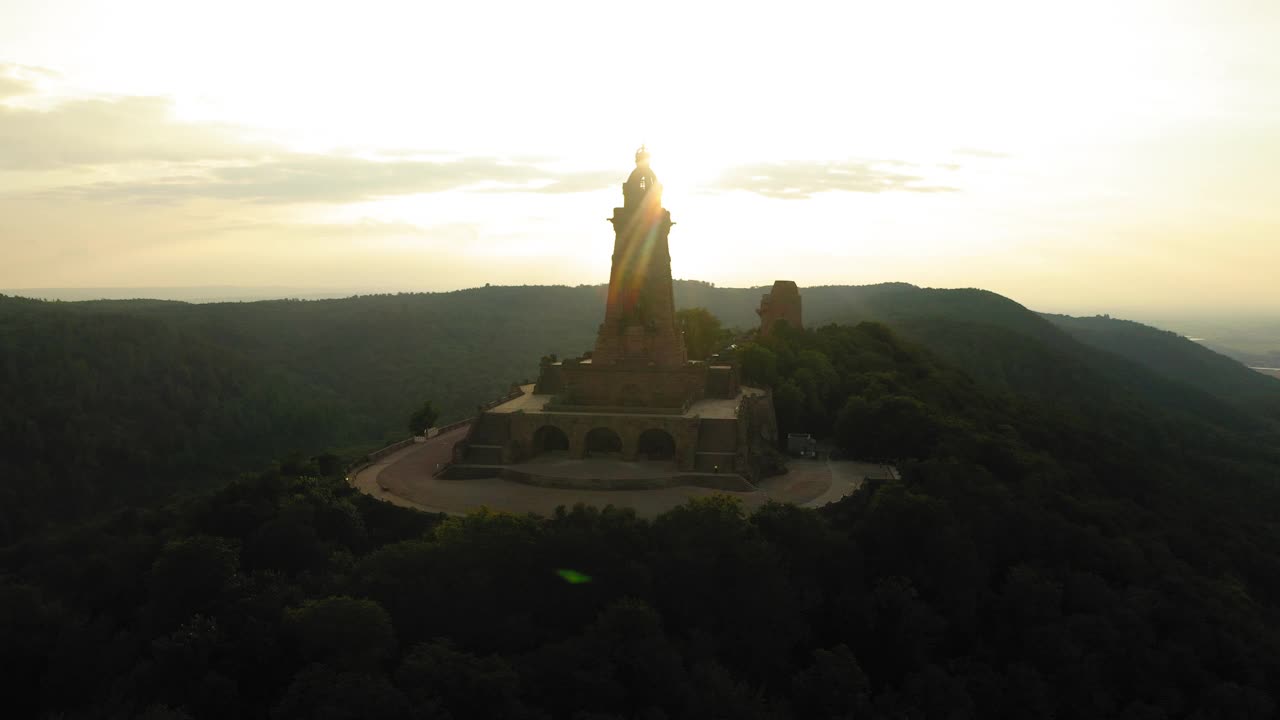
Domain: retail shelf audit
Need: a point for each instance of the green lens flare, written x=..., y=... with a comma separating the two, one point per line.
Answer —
x=573, y=577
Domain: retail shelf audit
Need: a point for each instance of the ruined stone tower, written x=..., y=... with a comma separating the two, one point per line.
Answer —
x=781, y=304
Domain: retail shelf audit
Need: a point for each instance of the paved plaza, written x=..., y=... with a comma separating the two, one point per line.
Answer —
x=406, y=478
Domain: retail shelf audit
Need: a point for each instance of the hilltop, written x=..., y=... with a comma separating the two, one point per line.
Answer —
x=118, y=399
x=1078, y=530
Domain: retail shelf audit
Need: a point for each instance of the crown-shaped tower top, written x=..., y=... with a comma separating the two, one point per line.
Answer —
x=642, y=187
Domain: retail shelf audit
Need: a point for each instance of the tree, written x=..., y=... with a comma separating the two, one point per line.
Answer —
x=789, y=400
x=343, y=632
x=423, y=418
x=702, y=332
x=759, y=365
x=833, y=687
x=893, y=427
x=436, y=677
x=319, y=691
x=190, y=576
x=285, y=545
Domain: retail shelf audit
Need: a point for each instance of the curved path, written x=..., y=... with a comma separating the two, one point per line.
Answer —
x=405, y=478
x=429, y=454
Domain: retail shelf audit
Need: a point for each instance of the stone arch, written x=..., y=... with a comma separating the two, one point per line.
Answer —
x=549, y=438
x=602, y=441
x=655, y=444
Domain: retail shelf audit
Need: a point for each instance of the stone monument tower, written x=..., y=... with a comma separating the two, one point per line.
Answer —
x=636, y=396
x=639, y=318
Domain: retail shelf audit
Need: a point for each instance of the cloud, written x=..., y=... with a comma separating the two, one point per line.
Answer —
x=133, y=150
x=17, y=80
x=365, y=230
x=980, y=153
x=91, y=132
x=13, y=87
x=307, y=178
x=796, y=180
x=154, y=158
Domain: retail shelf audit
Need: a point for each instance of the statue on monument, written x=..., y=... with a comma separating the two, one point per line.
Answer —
x=642, y=186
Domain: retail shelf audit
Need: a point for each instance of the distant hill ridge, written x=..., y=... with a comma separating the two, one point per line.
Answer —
x=1171, y=355
x=188, y=391
x=492, y=336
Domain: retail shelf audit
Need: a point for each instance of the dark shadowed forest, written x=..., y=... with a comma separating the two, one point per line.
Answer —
x=1085, y=527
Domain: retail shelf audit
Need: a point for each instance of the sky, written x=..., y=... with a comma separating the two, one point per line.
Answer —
x=1077, y=157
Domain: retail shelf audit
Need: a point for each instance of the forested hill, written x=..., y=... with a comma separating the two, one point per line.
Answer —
x=1173, y=356
x=97, y=409
x=1005, y=345
x=102, y=397
x=1055, y=358
x=1031, y=562
x=383, y=353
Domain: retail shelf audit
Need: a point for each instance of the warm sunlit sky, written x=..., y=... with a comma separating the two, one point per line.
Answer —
x=1076, y=156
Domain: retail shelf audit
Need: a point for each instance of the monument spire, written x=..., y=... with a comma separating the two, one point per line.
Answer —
x=637, y=397
x=639, y=321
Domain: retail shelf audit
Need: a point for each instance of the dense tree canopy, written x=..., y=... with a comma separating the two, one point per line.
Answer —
x=703, y=334
x=1098, y=559
x=423, y=418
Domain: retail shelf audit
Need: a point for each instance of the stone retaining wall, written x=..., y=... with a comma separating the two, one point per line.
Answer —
x=727, y=481
x=383, y=452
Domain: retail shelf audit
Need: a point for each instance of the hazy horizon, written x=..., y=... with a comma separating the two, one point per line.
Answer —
x=1167, y=318
x=1100, y=158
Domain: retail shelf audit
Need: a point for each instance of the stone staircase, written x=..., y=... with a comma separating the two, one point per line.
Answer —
x=717, y=445
x=488, y=435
